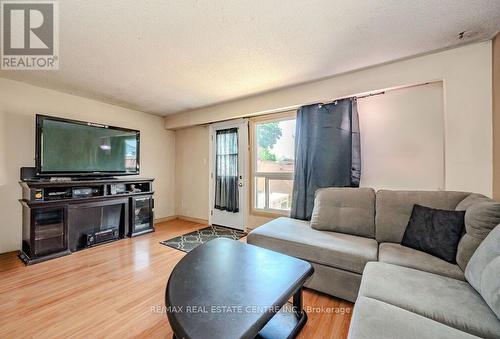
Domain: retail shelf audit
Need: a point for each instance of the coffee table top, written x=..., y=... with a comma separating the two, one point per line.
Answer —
x=223, y=288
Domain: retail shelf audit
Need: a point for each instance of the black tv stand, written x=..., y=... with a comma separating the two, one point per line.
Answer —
x=70, y=179
x=64, y=216
x=92, y=178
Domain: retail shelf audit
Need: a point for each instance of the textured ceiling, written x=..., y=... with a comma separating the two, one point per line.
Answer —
x=164, y=57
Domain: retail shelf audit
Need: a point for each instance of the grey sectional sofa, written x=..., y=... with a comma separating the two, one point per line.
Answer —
x=353, y=242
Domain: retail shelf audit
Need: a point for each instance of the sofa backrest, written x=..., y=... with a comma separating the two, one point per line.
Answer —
x=385, y=215
x=481, y=215
x=345, y=210
x=483, y=270
x=393, y=209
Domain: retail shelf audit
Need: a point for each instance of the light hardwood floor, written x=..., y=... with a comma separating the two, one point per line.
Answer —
x=114, y=290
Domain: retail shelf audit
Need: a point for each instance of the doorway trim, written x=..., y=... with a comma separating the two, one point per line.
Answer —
x=242, y=125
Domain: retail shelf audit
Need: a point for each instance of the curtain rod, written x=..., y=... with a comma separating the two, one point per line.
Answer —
x=351, y=97
x=296, y=107
x=380, y=92
x=369, y=95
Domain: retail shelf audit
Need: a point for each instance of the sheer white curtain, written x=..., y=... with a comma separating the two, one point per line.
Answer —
x=226, y=180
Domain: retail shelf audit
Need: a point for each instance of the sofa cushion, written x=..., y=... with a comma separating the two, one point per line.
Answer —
x=481, y=216
x=345, y=210
x=334, y=281
x=434, y=231
x=393, y=209
x=374, y=319
x=404, y=256
x=448, y=301
x=466, y=248
x=470, y=200
x=483, y=270
x=296, y=238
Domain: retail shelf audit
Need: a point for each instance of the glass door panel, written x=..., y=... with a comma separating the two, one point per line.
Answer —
x=49, y=230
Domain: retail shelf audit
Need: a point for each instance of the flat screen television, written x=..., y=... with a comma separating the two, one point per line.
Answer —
x=75, y=148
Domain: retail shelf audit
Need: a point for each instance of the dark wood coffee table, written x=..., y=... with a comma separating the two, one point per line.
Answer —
x=229, y=289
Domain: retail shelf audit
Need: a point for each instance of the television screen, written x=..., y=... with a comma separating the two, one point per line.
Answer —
x=78, y=148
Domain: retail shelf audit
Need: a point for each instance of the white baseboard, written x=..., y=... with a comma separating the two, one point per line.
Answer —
x=160, y=220
x=196, y=220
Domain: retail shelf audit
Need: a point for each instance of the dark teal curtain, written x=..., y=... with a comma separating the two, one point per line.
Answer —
x=327, y=152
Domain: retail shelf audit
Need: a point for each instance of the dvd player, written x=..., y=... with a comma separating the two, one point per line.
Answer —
x=85, y=192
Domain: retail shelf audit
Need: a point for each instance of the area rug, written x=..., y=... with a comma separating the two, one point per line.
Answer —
x=190, y=241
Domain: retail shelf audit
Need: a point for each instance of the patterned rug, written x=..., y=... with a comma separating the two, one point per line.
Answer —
x=190, y=241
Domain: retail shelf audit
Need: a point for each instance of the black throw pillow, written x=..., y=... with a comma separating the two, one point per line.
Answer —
x=434, y=231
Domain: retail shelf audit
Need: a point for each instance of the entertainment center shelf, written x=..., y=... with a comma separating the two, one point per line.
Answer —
x=41, y=192
x=64, y=216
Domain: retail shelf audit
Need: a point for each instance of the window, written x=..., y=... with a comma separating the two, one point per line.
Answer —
x=273, y=156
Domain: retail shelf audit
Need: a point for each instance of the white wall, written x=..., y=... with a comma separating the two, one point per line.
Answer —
x=3, y=133
x=402, y=139
x=192, y=175
x=466, y=73
x=402, y=146
x=192, y=170
x=496, y=117
x=20, y=102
